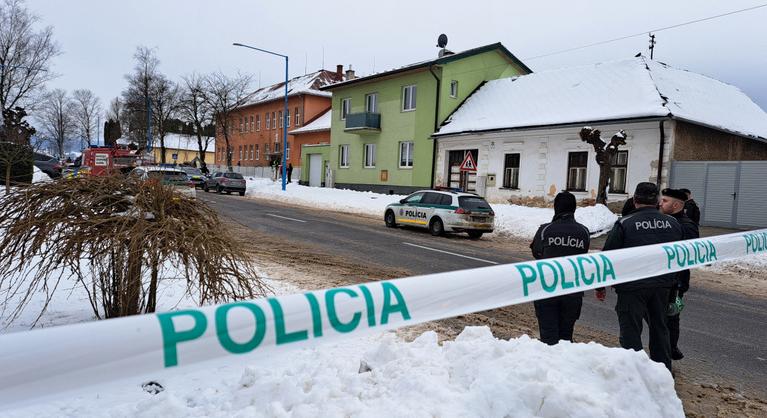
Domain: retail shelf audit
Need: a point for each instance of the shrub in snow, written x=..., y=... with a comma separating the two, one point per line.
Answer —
x=113, y=235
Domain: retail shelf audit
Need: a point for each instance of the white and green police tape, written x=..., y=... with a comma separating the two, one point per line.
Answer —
x=48, y=361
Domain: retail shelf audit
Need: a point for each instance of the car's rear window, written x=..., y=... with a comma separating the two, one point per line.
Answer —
x=169, y=176
x=237, y=176
x=473, y=203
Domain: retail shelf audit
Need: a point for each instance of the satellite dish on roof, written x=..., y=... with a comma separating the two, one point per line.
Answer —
x=442, y=41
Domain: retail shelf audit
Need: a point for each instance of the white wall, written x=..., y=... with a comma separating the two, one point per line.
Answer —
x=543, y=158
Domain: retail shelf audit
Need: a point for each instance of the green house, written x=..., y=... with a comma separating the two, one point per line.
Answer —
x=380, y=137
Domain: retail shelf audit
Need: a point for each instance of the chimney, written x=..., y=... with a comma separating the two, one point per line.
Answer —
x=340, y=71
x=350, y=73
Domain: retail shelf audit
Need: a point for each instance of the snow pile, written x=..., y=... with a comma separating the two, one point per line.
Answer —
x=751, y=264
x=39, y=177
x=476, y=375
x=520, y=221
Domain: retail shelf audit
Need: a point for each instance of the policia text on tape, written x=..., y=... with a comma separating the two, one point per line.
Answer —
x=49, y=361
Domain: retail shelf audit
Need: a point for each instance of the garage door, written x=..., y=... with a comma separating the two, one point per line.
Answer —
x=751, y=192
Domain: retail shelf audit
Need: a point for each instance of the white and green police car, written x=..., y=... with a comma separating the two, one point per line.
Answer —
x=442, y=211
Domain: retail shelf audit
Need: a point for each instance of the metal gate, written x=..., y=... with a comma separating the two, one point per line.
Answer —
x=729, y=193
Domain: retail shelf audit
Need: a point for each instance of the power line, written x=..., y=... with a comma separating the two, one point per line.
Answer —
x=646, y=32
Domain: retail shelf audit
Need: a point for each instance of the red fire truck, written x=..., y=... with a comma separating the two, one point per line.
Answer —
x=101, y=161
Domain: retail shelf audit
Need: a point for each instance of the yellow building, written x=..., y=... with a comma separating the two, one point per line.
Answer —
x=183, y=149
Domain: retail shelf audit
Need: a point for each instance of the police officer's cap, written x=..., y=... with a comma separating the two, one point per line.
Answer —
x=675, y=193
x=646, y=193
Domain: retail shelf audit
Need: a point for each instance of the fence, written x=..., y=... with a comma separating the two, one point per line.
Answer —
x=261, y=172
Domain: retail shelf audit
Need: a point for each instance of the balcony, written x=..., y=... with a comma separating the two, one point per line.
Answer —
x=363, y=123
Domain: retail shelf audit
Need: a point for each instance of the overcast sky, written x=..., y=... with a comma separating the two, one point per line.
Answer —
x=99, y=37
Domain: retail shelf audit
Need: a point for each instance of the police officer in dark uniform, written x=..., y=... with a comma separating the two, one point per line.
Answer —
x=691, y=208
x=673, y=203
x=562, y=236
x=645, y=298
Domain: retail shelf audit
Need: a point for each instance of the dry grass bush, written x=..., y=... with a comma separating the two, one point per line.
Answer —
x=114, y=235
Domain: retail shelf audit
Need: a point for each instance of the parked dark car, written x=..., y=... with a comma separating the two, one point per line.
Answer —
x=225, y=182
x=195, y=175
x=48, y=165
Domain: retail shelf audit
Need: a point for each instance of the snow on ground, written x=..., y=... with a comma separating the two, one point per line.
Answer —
x=38, y=176
x=520, y=221
x=750, y=264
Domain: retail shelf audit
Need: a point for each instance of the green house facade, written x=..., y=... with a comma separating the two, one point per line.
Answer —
x=380, y=138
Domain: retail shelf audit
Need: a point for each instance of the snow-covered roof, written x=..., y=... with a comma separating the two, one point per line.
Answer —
x=305, y=84
x=635, y=88
x=322, y=123
x=184, y=142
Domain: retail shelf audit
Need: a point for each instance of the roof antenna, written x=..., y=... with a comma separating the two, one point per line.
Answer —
x=306, y=61
x=323, y=57
x=652, y=44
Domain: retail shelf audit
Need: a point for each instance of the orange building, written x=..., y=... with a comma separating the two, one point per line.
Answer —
x=256, y=137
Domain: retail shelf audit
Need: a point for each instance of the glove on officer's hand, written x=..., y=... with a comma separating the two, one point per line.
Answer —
x=601, y=294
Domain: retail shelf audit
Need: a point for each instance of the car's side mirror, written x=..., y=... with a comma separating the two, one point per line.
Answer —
x=402, y=201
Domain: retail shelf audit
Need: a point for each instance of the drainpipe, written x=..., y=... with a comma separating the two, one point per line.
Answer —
x=436, y=122
x=660, y=153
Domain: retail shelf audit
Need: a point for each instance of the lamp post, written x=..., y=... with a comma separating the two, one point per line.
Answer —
x=284, y=113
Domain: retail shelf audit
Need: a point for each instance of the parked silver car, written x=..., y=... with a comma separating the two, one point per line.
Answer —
x=169, y=176
x=225, y=182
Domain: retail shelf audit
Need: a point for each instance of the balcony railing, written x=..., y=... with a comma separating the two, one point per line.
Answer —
x=365, y=122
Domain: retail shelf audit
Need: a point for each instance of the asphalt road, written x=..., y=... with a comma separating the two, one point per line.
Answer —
x=723, y=332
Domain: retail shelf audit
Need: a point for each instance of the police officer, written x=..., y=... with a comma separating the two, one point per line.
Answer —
x=691, y=208
x=673, y=203
x=645, y=298
x=562, y=236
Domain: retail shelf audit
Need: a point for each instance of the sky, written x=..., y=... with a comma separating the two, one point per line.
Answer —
x=98, y=37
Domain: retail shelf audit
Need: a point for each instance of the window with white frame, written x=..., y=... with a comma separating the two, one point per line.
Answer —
x=511, y=171
x=577, y=163
x=276, y=146
x=279, y=116
x=240, y=125
x=240, y=153
x=287, y=148
x=258, y=153
x=454, y=89
x=371, y=103
x=408, y=97
x=619, y=162
x=274, y=121
x=252, y=124
x=287, y=119
x=406, y=154
x=266, y=149
x=346, y=107
x=251, y=152
x=370, y=156
x=298, y=117
x=258, y=122
x=267, y=120
x=343, y=156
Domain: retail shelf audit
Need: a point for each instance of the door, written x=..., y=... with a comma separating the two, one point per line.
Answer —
x=721, y=195
x=463, y=180
x=315, y=170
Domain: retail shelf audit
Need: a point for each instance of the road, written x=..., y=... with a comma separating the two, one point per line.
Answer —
x=722, y=332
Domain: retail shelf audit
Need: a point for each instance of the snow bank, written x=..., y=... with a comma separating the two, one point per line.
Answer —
x=751, y=264
x=38, y=176
x=476, y=375
x=520, y=221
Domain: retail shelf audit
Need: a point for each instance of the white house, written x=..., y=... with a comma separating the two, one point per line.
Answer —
x=523, y=131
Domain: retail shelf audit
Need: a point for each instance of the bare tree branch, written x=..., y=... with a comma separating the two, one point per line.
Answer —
x=225, y=94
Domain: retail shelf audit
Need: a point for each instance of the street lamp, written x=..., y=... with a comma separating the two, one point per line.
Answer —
x=284, y=113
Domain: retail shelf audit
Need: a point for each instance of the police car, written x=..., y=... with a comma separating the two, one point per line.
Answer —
x=442, y=211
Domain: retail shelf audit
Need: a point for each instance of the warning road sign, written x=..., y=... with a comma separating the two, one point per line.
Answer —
x=468, y=163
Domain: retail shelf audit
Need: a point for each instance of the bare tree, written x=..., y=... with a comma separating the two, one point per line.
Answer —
x=165, y=96
x=225, y=94
x=604, y=156
x=87, y=111
x=196, y=110
x=25, y=56
x=56, y=121
x=137, y=96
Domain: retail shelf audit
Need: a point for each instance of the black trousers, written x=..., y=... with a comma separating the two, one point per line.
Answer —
x=557, y=316
x=650, y=305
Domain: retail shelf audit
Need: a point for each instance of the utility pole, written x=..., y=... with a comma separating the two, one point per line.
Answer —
x=652, y=44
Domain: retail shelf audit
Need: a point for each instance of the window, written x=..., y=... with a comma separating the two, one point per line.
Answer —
x=258, y=122
x=370, y=155
x=281, y=121
x=298, y=118
x=576, y=170
x=431, y=198
x=454, y=89
x=414, y=198
x=619, y=162
x=240, y=125
x=346, y=107
x=240, y=153
x=287, y=119
x=343, y=156
x=511, y=171
x=258, y=153
x=267, y=120
x=408, y=98
x=405, y=154
x=274, y=121
x=266, y=149
x=287, y=148
x=276, y=146
x=251, y=151
x=371, y=103
x=252, y=125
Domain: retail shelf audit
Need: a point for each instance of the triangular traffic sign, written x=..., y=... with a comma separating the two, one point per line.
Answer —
x=468, y=163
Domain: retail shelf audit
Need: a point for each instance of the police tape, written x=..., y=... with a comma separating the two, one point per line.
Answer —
x=48, y=361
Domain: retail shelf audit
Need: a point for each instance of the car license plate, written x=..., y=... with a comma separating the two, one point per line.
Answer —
x=479, y=219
